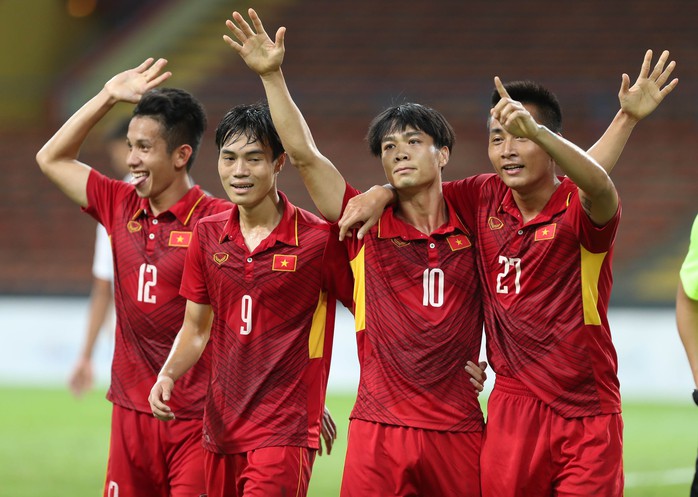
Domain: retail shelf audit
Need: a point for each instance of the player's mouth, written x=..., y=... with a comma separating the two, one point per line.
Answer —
x=138, y=177
x=512, y=168
x=241, y=187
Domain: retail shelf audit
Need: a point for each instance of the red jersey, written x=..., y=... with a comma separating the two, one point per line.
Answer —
x=148, y=256
x=274, y=311
x=546, y=286
x=418, y=321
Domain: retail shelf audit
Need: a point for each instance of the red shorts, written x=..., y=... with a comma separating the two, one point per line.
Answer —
x=259, y=473
x=528, y=449
x=396, y=460
x=153, y=458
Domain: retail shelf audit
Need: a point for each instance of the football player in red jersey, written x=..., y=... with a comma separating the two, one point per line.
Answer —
x=416, y=426
x=261, y=282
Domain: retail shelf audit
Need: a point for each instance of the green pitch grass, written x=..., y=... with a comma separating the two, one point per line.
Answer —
x=52, y=444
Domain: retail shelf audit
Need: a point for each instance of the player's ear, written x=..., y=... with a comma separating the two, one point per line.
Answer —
x=181, y=156
x=444, y=156
x=279, y=163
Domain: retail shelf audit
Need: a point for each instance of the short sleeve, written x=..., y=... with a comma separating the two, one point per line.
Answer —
x=193, y=285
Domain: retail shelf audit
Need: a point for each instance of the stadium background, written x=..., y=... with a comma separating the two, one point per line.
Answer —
x=345, y=62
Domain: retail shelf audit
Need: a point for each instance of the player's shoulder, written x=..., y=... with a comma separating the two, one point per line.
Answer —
x=310, y=220
x=211, y=205
x=216, y=218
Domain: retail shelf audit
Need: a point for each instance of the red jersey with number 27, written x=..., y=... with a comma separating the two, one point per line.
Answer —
x=546, y=285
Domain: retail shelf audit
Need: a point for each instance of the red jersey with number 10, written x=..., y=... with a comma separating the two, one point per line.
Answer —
x=148, y=262
x=418, y=321
x=547, y=284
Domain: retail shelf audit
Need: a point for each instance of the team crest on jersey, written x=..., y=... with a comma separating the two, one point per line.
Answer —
x=284, y=262
x=133, y=226
x=179, y=238
x=220, y=257
x=399, y=242
x=495, y=223
x=546, y=232
x=458, y=242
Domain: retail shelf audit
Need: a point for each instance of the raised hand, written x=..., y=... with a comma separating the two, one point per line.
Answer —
x=640, y=100
x=130, y=85
x=259, y=52
x=512, y=115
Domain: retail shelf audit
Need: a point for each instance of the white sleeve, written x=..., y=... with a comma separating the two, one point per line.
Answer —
x=102, y=263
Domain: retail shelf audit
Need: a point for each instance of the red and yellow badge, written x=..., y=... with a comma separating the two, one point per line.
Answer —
x=546, y=232
x=458, y=242
x=133, y=226
x=284, y=262
x=179, y=238
x=495, y=223
x=220, y=257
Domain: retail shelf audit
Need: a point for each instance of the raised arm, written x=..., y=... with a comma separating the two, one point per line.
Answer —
x=264, y=56
x=186, y=350
x=636, y=103
x=58, y=157
x=596, y=190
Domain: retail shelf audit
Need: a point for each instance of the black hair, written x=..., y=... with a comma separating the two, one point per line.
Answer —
x=418, y=116
x=181, y=116
x=532, y=93
x=252, y=121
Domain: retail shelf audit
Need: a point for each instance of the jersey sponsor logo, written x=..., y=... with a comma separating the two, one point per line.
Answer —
x=133, y=226
x=399, y=242
x=284, y=262
x=220, y=257
x=179, y=238
x=546, y=232
x=458, y=242
x=495, y=223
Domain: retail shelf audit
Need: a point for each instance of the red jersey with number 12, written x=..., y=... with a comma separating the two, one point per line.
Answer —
x=148, y=262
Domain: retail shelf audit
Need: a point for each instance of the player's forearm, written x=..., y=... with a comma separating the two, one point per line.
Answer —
x=186, y=351
x=58, y=157
x=687, y=324
x=66, y=142
x=323, y=181
x=100, y=301
x=606, y=151
x=580, y=167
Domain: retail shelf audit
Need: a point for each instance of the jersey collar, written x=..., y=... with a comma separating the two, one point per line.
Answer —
x=285, y=232
x=390, y=226
x=182, y=209
x=557, y=203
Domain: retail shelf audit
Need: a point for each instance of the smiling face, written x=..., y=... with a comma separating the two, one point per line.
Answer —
x=520, y=163
x=247, y=170
x=153, y=168
x=411, y=160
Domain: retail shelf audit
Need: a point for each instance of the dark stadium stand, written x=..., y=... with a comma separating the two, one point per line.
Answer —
x=345, y=61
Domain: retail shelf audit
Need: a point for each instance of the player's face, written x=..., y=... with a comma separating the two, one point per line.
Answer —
x=411, y=160
x=520, y=163
x=152, y=167
x=247, y=171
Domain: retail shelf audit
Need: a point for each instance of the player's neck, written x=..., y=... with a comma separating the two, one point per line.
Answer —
x=425, y=210
x=258, y=221
x=531, y=202
x=170, y=196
